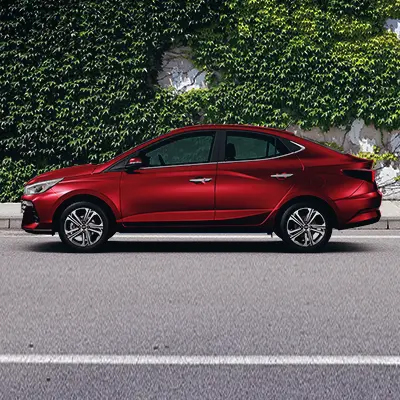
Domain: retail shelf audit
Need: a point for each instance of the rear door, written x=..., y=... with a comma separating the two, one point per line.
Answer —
x=256, y=173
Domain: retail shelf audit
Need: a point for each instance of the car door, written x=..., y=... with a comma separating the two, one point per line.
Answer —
x=176, y=183
x=256, y=173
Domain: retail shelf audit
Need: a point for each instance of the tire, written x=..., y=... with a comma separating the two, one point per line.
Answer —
x=297, y=232
x=278, y=232
x=84, y=227
x=111, y=233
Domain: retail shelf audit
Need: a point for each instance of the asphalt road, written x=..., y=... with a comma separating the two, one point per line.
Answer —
x=202, y=296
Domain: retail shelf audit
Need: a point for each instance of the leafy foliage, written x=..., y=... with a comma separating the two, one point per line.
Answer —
x=78, y=77
x=378, y=155
x=312, y=62
x=334, y=146
x=13, y=174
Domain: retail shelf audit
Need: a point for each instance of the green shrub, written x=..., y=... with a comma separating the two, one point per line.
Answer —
x=78, y=77
x=333, y=145
x=378, y=155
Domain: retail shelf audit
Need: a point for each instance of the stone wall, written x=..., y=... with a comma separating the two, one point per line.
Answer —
x=179, y=72
x=393, y=25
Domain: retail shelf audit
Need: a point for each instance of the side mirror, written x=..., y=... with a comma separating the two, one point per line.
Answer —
x=133, y=164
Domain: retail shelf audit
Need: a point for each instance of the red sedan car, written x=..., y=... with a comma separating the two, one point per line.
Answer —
x=208, y=178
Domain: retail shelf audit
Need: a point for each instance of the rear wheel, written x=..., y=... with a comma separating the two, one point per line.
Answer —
x=305, y=227
x=278, y=232
x=84, y=226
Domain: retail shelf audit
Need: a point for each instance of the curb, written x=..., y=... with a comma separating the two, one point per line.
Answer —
x=10, y=223
x=386, y=223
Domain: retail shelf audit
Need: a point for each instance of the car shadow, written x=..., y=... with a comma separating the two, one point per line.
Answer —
x=115, y=246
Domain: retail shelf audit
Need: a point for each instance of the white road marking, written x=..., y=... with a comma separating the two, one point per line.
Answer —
x=241, y=237
x=366, y=236
x=197, y=360
x=223, y=237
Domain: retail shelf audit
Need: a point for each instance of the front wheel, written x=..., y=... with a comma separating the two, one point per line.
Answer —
x=305, y=227
x=84, y=226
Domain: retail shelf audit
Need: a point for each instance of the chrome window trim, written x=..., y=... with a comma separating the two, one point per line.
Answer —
x=180, y=165
x=270, y=158
x=301, y=148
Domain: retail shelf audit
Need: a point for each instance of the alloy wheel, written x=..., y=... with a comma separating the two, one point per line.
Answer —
x=306, y=227
x=83, y=227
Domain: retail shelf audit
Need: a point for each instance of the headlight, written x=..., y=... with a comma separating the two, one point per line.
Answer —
x=40, y=187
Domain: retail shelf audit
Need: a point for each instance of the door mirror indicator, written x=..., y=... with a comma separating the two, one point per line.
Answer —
x=133, y=164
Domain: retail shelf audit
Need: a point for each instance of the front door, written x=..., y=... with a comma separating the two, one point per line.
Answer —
x=256, y=174
x=175, y=185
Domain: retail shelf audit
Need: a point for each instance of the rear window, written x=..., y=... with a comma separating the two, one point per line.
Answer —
x=252, y=146
x=291, y=146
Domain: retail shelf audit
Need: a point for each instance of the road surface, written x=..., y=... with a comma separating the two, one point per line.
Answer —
x=200, y=317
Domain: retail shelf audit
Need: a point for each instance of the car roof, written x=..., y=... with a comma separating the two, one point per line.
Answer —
x=209, y=127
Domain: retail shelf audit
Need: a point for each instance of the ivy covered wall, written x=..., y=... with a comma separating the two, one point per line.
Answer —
x=78, y=78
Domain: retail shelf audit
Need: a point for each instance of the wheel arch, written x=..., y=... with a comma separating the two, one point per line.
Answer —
x=82, y=197
x=307, y=198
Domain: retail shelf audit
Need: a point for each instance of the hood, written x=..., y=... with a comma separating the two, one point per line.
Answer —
x=77, y=170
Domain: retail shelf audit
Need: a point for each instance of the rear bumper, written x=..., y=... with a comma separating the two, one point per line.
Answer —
x=359, y=210
x=368, y=217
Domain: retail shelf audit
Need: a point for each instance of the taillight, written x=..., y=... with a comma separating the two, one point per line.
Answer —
x=363, y=174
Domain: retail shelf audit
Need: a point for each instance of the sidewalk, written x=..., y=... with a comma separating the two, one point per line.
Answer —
x=10, y=216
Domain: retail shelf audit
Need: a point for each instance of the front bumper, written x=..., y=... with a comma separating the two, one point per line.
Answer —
x=38, y=212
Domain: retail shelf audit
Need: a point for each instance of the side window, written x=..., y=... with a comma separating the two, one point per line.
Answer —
x=186, y=149
x=252, y=146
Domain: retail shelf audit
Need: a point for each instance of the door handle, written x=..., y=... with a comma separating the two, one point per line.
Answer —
x=281, y=176
x=200, y=180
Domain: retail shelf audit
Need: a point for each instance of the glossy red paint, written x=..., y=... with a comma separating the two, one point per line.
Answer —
x=166, y=194
x=249, y=189
x=246, y=194
x=104, y=187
